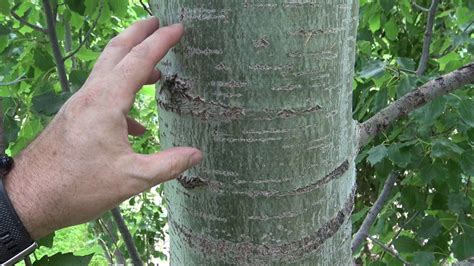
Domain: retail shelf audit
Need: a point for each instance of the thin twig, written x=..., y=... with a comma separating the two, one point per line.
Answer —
x=425, y=55
x=413, y=100
x=13, y=82
x=389, y=250
x=27, y=261
x=111, y=235
x=24, y=21
x=374, y=211
x=467, y=27
x=420, y=7
x=55, y=46
x=127, y=236
x=146, y=8
x=88, y=33
x=400, y=229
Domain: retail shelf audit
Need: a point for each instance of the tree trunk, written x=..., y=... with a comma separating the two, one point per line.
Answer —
x=263, y=88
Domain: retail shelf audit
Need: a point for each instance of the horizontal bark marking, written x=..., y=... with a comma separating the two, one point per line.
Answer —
x=283, y=252
x=335, y=174
x=175, y=96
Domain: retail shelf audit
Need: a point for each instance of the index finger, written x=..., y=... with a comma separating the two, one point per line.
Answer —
x=134, y=70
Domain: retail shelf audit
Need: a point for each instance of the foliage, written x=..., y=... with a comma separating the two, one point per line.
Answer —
x=429, y=216
x=31, y=95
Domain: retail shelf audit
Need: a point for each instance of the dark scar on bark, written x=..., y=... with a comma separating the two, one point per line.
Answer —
x=250, y=252
x=190, y=182
x=175, y=96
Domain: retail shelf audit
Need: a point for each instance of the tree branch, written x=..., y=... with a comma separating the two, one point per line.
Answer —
x=146, y=8
x=105, y=229
x=420, y=7
x=374, y=211
x=24, y=21
x=13, y=82
x=413, y=100
x=55, y=47
x=389, y=250
x=425, y=55
x=88, y=33
x=127, y=237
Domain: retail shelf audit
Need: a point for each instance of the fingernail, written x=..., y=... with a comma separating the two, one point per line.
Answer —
x=152, y=18
x=177, y=25
x=196, y=157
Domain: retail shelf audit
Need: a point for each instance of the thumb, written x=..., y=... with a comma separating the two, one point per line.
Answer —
x=160, y=167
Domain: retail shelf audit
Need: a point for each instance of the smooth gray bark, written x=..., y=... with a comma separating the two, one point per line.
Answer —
x=363, y=232
x=413, y=100
x=263, y=88
x=425, y=54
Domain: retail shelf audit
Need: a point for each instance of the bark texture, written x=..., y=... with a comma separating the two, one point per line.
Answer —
x=413, y=100
x=263, y=88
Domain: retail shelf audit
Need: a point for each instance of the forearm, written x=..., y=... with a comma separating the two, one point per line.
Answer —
x=29, y=198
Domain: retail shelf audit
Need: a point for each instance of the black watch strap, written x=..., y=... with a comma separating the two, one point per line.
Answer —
x=15, y=241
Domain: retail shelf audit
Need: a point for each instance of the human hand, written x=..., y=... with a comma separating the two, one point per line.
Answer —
x=82, y=164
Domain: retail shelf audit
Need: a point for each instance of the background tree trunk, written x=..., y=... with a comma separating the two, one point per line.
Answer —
x=263, y=88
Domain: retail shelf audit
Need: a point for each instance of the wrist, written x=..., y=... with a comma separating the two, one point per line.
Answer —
x=25, y=199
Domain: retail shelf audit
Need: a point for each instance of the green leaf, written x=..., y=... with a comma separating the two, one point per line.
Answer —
x=428, y=114
x=119, y=8
x=432, y=172
x=447, y=220
x=46, y=241
x=399, y=155
x=467, y=162
x=359, y=215
x=463, y=246
x=5, y=7
x=458, y=203
x=78, y=78
x=445, y=60
x=43, y=60
x=3, y=42
x=49, y=103
x=60, y=259
x=92, y=5
x=391, y=29
x=423, y=258
x=406, y=84
x=413, y=198
x=406, y=63
x=78, y=6
x=31, y=128
x=430, y=227
x=375, y=69
x=374, y=22
x=376, y=154
x=405, y=10
x=466, y=110
x=444, y=148
x=404, y=244
x=387, y=5
x=87, y=55
x=377, y=263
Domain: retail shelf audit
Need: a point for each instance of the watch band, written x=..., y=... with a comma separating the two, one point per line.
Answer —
x=15, y=241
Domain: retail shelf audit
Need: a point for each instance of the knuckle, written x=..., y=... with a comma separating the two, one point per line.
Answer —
x=118, y=42
x=174, y=167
